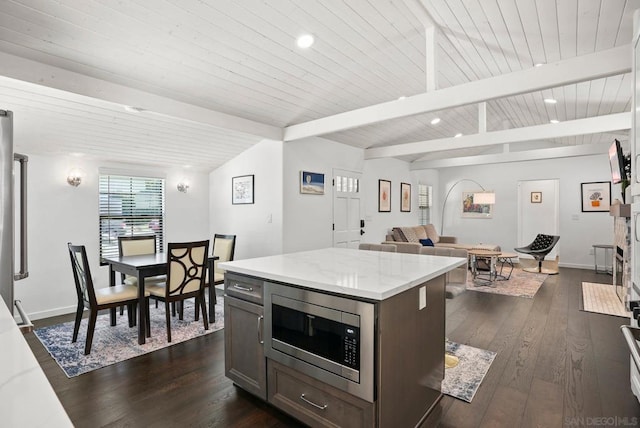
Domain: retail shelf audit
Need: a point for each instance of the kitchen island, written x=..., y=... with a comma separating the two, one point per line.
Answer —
x=339, y=336
x=26, y=396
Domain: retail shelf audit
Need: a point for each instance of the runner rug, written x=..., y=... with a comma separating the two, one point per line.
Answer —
x=520, y=284
x=602, y=299
x=118, y=343
x=463, y=380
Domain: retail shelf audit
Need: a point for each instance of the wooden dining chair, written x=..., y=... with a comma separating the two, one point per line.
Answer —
x=224, y=247
x=186, y=268
x=97, y=299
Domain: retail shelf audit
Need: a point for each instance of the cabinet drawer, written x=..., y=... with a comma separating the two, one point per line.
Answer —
x=243, y=287
x=313, y=402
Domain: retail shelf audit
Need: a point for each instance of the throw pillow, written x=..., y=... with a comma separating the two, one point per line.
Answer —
x=409, y=234
x=398, y=236
x=432, y=233
x=427, y=242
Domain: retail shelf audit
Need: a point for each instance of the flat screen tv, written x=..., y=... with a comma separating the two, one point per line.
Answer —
x=616, y=160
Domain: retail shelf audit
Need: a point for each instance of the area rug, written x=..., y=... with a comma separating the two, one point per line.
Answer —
x=520, y=284
x=463, y=380
x=602, y=299
x=118, y=343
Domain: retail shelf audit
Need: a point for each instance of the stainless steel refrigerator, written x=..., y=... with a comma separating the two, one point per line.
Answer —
x=8, y=217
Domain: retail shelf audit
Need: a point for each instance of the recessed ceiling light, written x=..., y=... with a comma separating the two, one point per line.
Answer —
x=435, y=121
x=539, y=64
x=401, y=98
x=305, y=41
x=554, y=121
x=133, y=109
x=458, y=135
x=550, y=100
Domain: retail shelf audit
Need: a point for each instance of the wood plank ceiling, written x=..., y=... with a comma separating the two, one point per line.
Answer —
x=239, y=58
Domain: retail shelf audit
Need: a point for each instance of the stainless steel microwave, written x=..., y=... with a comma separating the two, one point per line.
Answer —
x=327, y=337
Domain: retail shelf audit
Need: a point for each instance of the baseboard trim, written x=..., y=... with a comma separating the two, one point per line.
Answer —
x=52, y=313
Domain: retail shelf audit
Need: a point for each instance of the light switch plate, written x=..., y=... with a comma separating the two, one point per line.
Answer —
x=423, y=298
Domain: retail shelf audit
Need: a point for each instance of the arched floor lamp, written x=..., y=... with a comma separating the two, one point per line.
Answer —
x=483, y=198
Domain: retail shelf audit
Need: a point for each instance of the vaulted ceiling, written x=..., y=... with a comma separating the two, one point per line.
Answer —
x=203, y=80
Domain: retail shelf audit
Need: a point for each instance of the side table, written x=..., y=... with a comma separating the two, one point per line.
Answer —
x=608, y=251
x=492, y=256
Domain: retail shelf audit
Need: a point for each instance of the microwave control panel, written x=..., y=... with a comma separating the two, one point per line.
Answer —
x=351, y=338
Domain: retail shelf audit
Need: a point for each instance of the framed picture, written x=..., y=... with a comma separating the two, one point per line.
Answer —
x=384, y=196
x=473, y=210
x=242, y=190
x=311, y=183
x=536, y=197
x=596, y=196
x=405, y=197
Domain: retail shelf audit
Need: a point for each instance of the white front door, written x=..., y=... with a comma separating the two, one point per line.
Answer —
x=346, y=208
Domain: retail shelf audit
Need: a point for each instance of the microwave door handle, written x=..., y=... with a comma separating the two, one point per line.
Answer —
x=24, y=271
x=260, y=328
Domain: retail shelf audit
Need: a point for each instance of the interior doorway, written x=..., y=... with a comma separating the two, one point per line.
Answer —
x=347, y=205
x=538, y=212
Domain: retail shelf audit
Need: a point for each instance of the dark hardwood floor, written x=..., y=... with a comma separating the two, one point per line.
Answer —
x=556, y=366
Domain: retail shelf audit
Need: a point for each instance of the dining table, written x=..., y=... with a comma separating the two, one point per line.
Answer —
x=144, y=266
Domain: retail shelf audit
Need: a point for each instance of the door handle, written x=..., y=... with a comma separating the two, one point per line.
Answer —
x=24, y=270
x=361, y=232
x=260, y=339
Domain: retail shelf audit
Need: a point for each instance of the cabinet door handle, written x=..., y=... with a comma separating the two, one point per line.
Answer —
x=240, y=287
x=260, y=339
x=635, y=220
x=317, y=406
x=636, y=164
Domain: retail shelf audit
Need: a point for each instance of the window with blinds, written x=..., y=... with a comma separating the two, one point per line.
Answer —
x=130, y=206
x=424, y=203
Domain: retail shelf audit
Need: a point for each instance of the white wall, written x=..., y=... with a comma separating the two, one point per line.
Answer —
x=578, y=230
x=59, y=213
x=257, y=226
x=379, y=223
x=308, y=219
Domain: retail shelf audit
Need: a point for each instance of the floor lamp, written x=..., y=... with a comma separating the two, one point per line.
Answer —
x=483, y=198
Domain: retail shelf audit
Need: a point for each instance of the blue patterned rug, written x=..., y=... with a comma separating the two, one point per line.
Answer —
x=114, y=344
x=463, y=380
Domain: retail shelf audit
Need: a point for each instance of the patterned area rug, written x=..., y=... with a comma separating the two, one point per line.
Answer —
x=114, y=344
x=463, y=380
x=602, y=299
x=520, y=284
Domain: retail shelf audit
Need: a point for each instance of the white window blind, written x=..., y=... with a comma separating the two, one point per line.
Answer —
x=130, y=206
x=424, y=203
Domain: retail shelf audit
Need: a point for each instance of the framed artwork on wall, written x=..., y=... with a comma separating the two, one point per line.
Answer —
x=384, y=196
x=242, y=190
x=405, y=197
x=473, y=210
x=596, y=196
x=311, y=183
x=536, y=197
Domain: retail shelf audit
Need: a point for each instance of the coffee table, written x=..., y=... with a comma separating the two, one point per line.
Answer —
x=484, y=255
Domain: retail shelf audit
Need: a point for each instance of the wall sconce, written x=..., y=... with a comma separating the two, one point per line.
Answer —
x=74, y=177
x=183, y=186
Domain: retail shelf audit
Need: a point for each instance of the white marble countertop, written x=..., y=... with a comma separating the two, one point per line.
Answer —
x=26, y=396
x=372, y=275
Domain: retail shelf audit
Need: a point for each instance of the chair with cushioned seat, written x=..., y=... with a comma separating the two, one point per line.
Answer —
x=186, y=269
x=98, y=299
x=224, y=247
x=135, y=246
x=539, y=249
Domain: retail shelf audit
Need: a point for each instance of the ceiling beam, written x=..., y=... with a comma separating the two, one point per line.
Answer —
x=53, y=77
x=590, y=125
x=526, y=155
x=578, y=69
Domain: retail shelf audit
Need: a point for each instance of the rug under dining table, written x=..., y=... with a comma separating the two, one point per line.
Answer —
x=113, y=344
